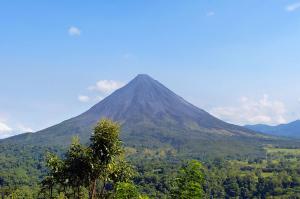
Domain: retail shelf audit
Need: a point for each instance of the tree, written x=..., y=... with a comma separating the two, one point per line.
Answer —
x=231, y=187
x=97, y=167
x=56, y=175
x=126, y=190
x=105, y=147
x=77, y=166
x=188, y=183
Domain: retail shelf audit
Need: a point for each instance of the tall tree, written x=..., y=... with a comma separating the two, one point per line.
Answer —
x=189, y=181
x=105, y=147
x=77, y=166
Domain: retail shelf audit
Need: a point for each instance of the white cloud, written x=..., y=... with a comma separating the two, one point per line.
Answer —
x=101, y=89
x=210, y=13
x=24, y=129
x=106, y=86
x=83, y=98
x=249, y=111
x=4, y=128
x=8, y=129
x=292, y=7
x=74, y=31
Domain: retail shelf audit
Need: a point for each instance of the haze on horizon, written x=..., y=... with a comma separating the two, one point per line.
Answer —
x=237, y=60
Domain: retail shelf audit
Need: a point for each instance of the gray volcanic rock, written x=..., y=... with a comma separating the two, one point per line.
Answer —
x=151, y=115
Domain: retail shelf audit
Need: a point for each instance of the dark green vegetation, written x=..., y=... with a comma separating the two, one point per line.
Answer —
x=96, y=171
x=277, y=175
x=188, y=182
x=291, y=129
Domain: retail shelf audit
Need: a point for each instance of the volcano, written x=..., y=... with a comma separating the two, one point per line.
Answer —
x=150, y=115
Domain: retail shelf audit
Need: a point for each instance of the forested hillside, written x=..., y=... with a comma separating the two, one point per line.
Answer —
x=151, y=173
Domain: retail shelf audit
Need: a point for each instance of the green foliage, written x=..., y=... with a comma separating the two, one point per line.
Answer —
x=105, y=147
x=61, y=196
x=189, y=181
x=77, y=164
x=95, y=168
x=119, y=170
x=276, y=174
x=24, y=192
x=126, y=190
x=105, y=142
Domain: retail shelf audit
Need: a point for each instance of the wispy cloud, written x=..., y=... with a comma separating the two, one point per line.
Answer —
x=292, y=7
x=249, y=111
x=89, y=99
x=22, y=128
x=84, y=98
x=99, y=90
x=7, y=130
x=106, y=86
x=210, y=13
x=4, y=128
x=74, y=31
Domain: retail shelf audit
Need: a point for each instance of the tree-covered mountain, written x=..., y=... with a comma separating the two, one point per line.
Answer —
x=291, y=129
x=160, y=130
x=153, y=116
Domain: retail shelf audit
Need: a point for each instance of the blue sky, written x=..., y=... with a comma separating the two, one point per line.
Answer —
x=239, y=60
